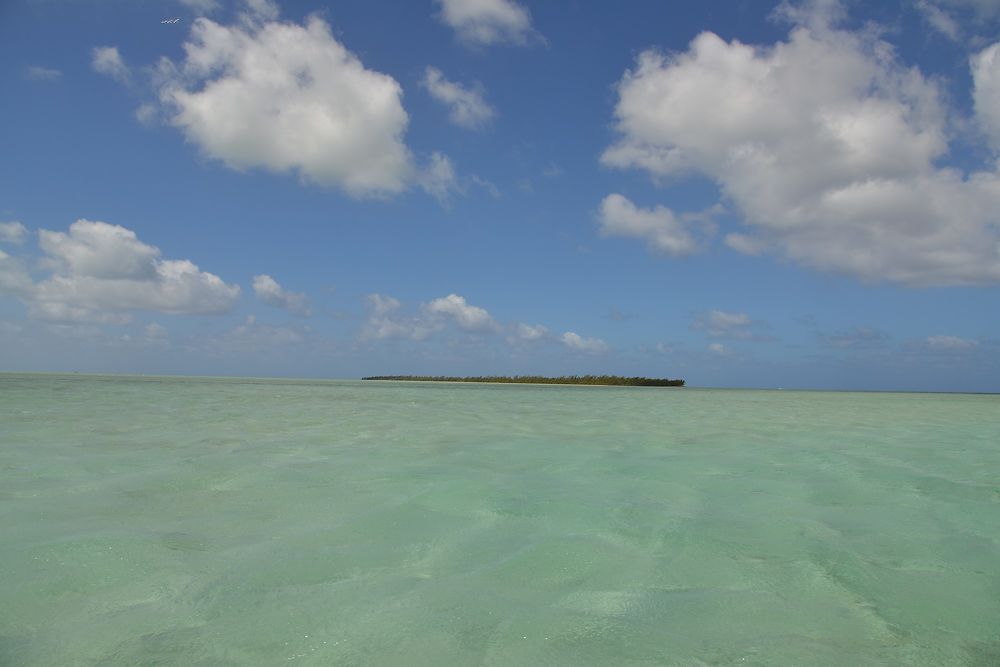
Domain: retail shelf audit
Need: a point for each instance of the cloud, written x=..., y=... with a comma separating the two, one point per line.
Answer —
x=581, y=344
x=100, y=272
x=826, y=145
x=270, y=292
x=37, y=73
x=486, y=22
x=718, y=348
x=745, y=244
x=950, y=343
x=466, y=107
x=106, y=60
x=986, y=91
x=736, y=326
x=12, y=232
x=527, y=333
x=385, y=321
x=466, y=316
x=659, y=227
x=288, y=98
x=938, y=19
x=438, y=179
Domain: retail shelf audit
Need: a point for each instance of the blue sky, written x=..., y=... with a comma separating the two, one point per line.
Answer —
x=736, y=193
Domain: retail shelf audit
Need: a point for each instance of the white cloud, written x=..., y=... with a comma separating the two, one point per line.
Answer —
x=718, y=348
x=581, y=344
x=288, y=97
x=825, y=143
x=986, y=91
x=38, y=73
x=466, y=107
x=950, y=343
x=438, y=179
x=938, y=19
x=100, y=272
x=385, y=321
x=720, y=324
x=465, y=315
x=270, y=292
x=659, y=227
x=106, y=60
x=526, y=333
x=745, y=244
x=485, y=22
x=12, y=232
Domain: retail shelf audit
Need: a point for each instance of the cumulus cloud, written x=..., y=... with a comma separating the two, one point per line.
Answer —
x=106, y=60
x=527, y=333
x=12, y=232
x=486, y=22
x=986, y=91
x=579, y=343
x=288, y=98
x=270, y=292
x=386, y=321
x=101, y=272
x=659, y=227
x=826, y=145
x=465, y=315
x=466, y=107
x=38, y=73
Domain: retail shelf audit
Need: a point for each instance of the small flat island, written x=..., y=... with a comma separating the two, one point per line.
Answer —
x=611, y=380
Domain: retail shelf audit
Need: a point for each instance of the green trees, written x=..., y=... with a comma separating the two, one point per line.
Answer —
x=611, y=380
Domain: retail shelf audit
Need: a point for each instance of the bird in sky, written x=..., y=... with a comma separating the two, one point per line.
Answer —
x=170, y=21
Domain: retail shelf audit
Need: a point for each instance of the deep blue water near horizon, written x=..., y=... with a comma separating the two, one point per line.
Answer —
x=225, y=521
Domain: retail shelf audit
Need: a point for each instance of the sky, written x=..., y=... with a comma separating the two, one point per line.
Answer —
x=740, y=194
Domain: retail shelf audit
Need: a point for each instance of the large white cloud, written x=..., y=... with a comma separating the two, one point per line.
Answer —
x=288, y=97
x=465, y=315
x=485, y=22
x=825, y=143
x=466, y=106
x=270, y=292
x=100, y=272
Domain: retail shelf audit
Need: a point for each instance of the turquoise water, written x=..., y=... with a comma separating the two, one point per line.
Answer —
x=175, y=521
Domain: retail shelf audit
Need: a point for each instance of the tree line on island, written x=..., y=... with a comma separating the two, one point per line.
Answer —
x=612, y=380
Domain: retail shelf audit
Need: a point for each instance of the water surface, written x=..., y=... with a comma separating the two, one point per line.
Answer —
x=176, y=521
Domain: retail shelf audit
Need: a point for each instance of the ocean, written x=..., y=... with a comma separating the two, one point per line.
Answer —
x=211, y=521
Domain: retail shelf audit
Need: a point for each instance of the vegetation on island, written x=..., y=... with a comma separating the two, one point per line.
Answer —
x=612, y=380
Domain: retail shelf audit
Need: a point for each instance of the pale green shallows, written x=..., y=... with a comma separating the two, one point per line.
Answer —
x=169, y=521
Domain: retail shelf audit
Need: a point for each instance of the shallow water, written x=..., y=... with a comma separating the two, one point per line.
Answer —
x=176, y=521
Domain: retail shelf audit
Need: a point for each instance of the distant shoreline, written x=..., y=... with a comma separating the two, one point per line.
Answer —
x=592, y=380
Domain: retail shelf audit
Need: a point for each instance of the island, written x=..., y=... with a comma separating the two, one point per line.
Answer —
x=610, y=380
